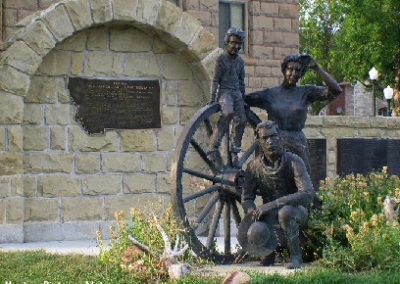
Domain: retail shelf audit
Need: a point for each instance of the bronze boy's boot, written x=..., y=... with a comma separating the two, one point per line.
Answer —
x=235, y=158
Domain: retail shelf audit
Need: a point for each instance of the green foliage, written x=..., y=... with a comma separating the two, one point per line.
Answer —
x=319, y=22
x=349, y=226
x=369, y=36
x=348, y=37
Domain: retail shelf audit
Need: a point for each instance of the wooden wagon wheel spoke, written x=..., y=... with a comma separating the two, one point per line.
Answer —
x=247, y=154
x=200, y=193
x=210, y=204
x=203, y=155
x=200, y=175
x=214, y=179
x=227, y=227
x=214, y=223
x=209, y=127
x=235, y=213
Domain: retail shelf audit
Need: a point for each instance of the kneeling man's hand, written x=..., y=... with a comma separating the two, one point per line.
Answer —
x=262, y=210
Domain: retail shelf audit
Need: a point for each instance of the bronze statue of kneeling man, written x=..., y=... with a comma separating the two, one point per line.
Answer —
x=281, y=179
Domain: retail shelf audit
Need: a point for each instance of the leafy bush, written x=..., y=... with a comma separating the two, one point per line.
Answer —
x=124, y=256
x=348, y=230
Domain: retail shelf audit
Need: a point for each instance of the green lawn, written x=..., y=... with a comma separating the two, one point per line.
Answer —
x=41, y=267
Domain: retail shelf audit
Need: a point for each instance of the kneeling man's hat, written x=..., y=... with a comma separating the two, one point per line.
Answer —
x=257, y=238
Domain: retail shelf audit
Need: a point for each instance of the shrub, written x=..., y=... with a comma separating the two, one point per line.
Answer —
x=122, y=255
x=348, y=230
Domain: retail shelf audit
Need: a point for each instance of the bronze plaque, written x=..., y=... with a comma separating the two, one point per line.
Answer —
x=317, y=148
x=116, y=104
x=363, y=155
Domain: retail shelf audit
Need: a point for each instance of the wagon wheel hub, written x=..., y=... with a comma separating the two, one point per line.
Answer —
x=231, y=180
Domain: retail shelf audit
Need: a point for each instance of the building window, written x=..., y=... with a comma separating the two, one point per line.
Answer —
x=1, y=22
x=231, y=14
x=176, y=2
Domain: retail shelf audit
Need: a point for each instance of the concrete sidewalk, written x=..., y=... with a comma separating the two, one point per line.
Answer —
x=86, y=247
x=89, y=247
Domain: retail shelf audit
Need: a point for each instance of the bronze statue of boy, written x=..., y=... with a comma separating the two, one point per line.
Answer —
x=282, y=180
x=228, y=89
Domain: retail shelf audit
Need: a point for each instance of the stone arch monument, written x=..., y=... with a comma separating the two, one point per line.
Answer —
x=56, y=181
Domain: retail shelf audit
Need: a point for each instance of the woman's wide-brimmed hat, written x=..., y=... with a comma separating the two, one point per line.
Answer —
x=256, y=237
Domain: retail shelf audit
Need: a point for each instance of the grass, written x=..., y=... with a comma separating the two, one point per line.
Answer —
x=42, y=267
x=39, y=266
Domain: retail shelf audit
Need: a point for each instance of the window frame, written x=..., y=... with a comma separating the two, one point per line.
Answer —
x=245, y=22
x=1, y=22
x=178, y=3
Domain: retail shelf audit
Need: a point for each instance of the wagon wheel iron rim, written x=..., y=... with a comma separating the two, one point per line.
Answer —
x=221, y=190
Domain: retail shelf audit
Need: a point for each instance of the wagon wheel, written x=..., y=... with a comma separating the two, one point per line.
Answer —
x=207, y=193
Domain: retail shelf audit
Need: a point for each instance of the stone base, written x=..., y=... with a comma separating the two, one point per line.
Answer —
x=11, y=234
x=40, y=231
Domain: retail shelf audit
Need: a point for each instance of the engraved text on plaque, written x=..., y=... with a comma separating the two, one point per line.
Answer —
x=116, y=104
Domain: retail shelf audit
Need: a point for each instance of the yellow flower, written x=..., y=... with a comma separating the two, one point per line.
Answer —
x=374, y=220
x=362, y=184
x=379, y=199
x=134, y=211
x=359, y=176
x=367, y=225
x=119, y=215
x=349, y=230
x=397, y=192
x=354, y=215
x=113, y=233
x=385, y=170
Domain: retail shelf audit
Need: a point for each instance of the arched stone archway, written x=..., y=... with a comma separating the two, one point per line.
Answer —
x=40, y=33
x=50, y=168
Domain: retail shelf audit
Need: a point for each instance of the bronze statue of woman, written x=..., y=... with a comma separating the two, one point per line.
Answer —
x=287, y=104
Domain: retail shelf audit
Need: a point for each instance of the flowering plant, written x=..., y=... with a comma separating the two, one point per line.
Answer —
x=349, y=230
